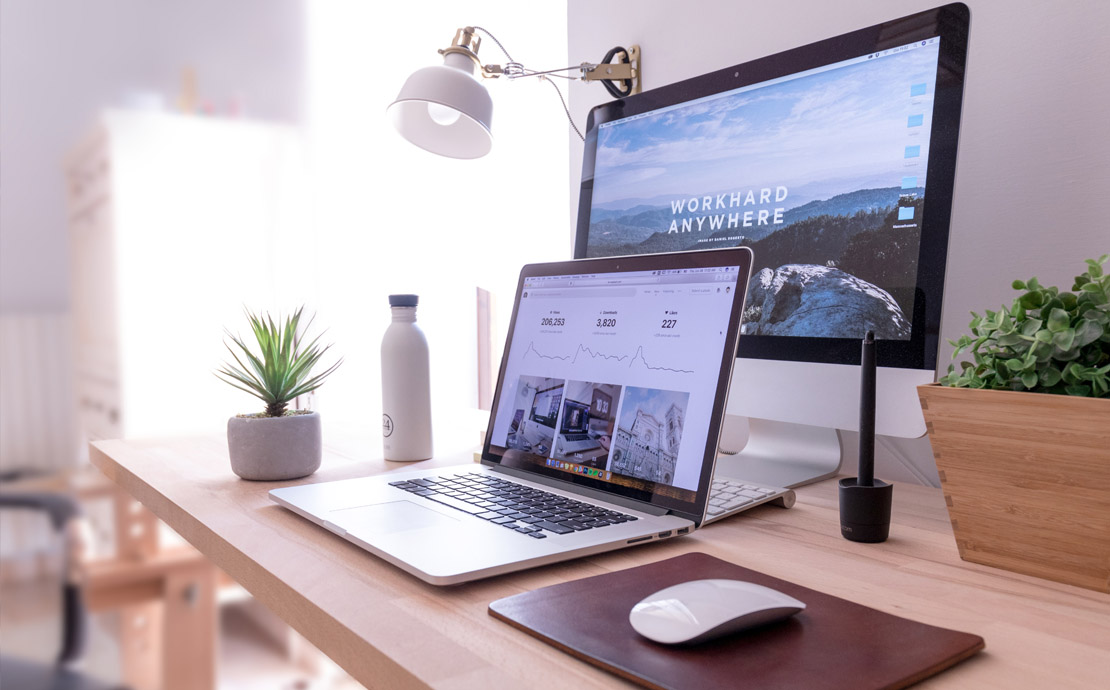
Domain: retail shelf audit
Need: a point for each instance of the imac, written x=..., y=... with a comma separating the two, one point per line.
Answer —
x=835, y=163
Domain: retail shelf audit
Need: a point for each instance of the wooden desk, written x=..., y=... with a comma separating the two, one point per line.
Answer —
x=390, y=630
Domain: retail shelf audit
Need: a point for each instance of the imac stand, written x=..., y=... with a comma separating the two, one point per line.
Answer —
x=793, y=411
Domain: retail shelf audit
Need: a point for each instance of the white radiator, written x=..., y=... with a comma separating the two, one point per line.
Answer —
x=38, y=427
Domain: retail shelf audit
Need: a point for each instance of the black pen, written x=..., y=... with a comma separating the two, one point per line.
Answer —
x=867, y=412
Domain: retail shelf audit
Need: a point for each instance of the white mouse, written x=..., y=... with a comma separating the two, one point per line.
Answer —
x=701, y=610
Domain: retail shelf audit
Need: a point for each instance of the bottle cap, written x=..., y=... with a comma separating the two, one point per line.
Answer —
x=403, y=300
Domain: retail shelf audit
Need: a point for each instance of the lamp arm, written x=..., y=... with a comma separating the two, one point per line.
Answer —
x=588, y=71
x=626, y=71
x=515, y=70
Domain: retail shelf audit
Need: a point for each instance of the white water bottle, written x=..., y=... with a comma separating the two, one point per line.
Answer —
x=406, y=385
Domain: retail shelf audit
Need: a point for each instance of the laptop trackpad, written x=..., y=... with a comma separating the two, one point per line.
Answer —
x=385, y=518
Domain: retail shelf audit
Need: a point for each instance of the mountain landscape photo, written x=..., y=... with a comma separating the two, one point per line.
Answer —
x=849, y=252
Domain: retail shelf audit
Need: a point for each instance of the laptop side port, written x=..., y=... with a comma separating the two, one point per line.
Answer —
x=684, y=530
x=639, y=539
x=664, y=535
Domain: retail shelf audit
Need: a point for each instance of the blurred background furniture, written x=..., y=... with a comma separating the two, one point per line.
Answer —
x=60, y=675
x=175, y=223
x=162, y=591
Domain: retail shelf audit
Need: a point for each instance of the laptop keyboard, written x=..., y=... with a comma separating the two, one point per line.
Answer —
x=521, y=508
x=539, y=513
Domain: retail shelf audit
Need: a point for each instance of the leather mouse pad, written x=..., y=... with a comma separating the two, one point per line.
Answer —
x=834, y=643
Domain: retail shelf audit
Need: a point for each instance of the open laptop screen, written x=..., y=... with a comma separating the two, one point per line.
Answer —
x=616, y=372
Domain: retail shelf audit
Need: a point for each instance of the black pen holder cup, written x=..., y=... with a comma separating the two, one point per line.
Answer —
x=865, y=510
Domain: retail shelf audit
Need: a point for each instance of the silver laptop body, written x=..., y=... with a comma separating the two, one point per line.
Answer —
x=635, y=353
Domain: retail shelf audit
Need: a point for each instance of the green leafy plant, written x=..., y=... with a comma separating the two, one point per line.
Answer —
x=1048, y=341
x=283, y=369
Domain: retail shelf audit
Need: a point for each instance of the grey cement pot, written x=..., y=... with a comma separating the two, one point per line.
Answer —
x=275, y=448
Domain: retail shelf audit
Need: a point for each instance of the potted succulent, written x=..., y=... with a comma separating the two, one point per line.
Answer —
x=277, y=443
x=1021, y=433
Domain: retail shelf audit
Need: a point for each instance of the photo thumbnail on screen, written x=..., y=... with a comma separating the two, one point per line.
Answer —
x=585, y=433
x=535, y=414
x=649, y=434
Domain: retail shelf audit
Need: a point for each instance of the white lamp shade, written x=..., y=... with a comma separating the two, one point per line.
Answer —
x=445, y=110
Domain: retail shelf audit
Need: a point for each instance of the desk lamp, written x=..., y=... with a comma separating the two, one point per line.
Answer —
x=445, y=110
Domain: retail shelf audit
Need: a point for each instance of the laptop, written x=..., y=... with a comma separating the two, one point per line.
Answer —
x=633, y=353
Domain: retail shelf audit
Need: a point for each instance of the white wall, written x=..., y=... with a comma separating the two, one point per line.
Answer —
x=390, y=217
x=62, y=61
x=1034, y=158
x=393, y=218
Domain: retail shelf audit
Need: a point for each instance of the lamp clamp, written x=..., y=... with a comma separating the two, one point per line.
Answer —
x=626, y=69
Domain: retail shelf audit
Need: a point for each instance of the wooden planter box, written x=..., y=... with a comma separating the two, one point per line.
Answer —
x=1026, y=477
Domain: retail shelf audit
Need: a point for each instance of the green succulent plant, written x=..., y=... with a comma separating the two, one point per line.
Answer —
x=1048, y=341
x=283, y=369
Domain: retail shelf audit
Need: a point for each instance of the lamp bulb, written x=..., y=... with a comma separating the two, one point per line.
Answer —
x=443, y=115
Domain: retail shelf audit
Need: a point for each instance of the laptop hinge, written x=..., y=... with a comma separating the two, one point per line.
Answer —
x=580, y=490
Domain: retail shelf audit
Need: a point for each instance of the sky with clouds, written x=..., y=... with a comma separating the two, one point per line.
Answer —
x=830, y=130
